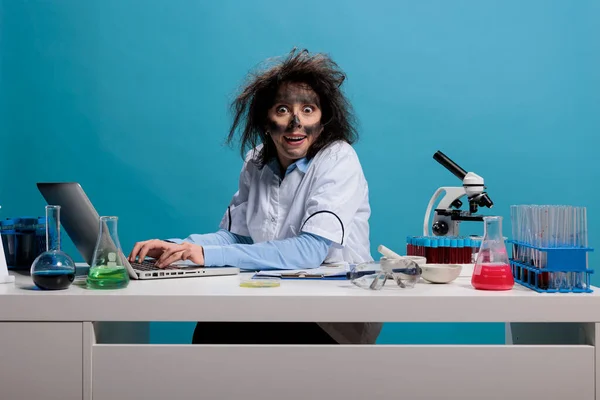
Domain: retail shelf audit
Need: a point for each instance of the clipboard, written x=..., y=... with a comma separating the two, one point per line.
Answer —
x=301, y=276
x=323, y=272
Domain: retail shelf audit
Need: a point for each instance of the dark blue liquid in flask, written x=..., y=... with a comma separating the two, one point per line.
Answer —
x=53, y=269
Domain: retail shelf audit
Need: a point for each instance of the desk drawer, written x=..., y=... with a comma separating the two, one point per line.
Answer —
x=332, y=372
x=41, y=360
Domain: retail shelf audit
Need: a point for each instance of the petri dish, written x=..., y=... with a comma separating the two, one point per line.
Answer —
x=259, y=282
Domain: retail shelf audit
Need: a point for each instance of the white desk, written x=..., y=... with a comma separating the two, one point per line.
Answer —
x=49, y=348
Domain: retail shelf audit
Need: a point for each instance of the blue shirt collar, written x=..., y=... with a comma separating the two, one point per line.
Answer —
x=302, y=165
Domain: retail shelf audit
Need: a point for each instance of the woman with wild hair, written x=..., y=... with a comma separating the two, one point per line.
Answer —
x=302, y=198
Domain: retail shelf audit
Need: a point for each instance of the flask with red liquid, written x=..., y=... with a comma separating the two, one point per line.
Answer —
x=492, y=269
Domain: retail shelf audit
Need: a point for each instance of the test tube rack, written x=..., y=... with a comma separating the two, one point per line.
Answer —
x=443, y=250
x=561, y=265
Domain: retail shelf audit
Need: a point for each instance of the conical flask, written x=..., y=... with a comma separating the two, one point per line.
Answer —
x=492, y=269
x=108, y=269
x=53, y=269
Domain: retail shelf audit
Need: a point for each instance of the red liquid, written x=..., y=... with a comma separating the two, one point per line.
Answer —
x=492, y=277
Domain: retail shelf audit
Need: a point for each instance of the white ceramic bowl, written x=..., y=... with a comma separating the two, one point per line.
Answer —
x=440, y=273
x=418, y=259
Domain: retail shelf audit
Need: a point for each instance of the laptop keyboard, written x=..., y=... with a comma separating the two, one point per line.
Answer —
x=148, y=265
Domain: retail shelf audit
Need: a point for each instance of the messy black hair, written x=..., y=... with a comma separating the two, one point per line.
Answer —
x=321, y=74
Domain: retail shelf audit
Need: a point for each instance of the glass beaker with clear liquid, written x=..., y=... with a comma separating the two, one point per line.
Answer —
x=53, y=269
x=492, y=269
x=108, y=269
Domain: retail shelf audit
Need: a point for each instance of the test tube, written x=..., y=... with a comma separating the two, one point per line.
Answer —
x=469, y=250
x=434, y=251
x=429, y=249
x=453, y=251
x=474, y=249
x=442, y=250
x=464, y=253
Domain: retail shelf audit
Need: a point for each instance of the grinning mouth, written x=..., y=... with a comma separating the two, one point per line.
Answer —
x=294, y=138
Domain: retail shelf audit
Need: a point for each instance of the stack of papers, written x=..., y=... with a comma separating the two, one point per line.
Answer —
x=322, y=272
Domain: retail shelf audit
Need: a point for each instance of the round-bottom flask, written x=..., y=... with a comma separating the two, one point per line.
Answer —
x=53, y=269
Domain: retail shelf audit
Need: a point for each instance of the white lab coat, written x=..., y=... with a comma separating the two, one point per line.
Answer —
x=330, y=199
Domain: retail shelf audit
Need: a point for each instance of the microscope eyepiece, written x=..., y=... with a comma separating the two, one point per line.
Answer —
x=450, y=165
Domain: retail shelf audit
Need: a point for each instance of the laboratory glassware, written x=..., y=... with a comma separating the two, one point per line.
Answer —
x=53, y=269
x=108, y=269
x=492, y=269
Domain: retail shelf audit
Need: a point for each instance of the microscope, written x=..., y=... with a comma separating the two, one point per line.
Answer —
x=448, y=214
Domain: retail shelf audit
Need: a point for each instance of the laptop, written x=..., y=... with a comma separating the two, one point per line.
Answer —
x=81, y=222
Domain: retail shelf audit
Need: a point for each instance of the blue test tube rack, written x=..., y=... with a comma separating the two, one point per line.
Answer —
x=557, y=260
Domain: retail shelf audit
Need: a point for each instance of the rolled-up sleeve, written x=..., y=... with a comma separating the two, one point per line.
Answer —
x=336, y=195
x=299, y=252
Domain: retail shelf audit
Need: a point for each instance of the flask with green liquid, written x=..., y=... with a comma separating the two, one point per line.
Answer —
x=108, y=269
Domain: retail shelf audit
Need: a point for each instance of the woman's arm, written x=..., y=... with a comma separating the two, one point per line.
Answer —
x=156, y=248
x=303, y=251
x=220, y=238
x=300, y=252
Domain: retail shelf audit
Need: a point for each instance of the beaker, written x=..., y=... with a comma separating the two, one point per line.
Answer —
x=108, y=269
x=492, y=269
x=53, y=269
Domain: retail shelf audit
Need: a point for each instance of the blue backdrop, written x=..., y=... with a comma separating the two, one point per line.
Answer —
x=130, y=98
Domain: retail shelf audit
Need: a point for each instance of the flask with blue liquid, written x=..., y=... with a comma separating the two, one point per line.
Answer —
x=53, y=269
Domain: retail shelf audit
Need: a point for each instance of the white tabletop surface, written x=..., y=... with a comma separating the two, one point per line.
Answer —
x=222, y=299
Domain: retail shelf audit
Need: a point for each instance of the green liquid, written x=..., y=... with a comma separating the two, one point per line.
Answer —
x=103, y=277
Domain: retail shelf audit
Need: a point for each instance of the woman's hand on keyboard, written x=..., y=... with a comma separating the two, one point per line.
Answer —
x=152, y=248
x=181, y=252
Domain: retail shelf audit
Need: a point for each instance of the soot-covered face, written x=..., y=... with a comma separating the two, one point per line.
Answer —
x=294, y=121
